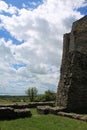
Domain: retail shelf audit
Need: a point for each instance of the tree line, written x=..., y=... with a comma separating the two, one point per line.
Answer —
x=33, y=95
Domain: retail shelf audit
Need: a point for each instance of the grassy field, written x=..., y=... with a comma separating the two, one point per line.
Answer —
x=43, y=122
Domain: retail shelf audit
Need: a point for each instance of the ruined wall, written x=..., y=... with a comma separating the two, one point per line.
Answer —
x=72, y=88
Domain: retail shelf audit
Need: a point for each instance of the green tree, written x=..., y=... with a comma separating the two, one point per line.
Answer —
x=50, y=95
x=40, y=98
x=32, y=93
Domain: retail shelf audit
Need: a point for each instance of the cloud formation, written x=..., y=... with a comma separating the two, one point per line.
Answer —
x=40, y=32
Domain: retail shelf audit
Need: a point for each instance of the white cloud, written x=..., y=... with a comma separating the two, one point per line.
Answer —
x=42, y=30
x=4, y=7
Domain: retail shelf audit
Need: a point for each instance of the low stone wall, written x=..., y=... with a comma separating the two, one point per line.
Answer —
x=35, y=104
x=22, y=113
x=7, y=113
x=55, y=110
x=60, y=111
x=43, y=109
x=14, y=111
x=30, y=105
x=73, y=115
x=49, y=109
x=15, y=106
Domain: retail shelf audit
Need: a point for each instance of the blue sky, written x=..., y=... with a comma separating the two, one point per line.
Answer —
x=4, y=33
x=28, y=3
x=31, y=38
x=83, y=10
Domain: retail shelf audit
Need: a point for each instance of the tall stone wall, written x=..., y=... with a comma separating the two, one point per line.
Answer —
x=72, y=88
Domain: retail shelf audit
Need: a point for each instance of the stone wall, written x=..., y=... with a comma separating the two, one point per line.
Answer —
x=72, y=88
x=14, y=111
x=60, y=112
x=29, y=105
x=8, y=113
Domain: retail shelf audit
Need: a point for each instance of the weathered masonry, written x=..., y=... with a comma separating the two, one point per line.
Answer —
x=72, y=88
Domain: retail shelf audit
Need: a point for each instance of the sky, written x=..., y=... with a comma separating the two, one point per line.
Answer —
x=31, y=39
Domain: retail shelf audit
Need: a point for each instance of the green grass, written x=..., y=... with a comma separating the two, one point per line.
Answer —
x=43, y=122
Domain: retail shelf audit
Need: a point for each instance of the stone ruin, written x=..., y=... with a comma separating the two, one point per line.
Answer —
x=72, y=88
x=8, y=113
x=14, y=111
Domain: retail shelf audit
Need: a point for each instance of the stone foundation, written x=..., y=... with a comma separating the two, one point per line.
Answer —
x=14, y=111
x=30, y=105
x=8, y=113
x=60, y=112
